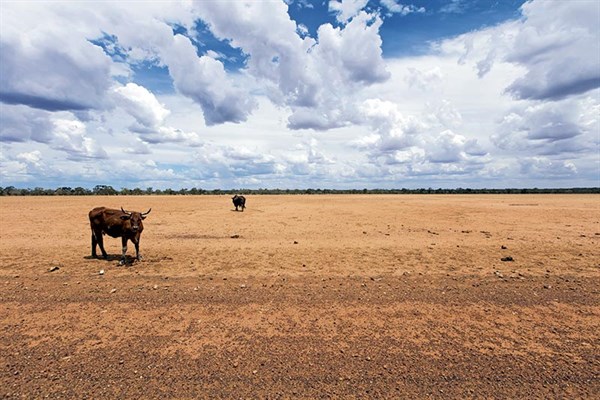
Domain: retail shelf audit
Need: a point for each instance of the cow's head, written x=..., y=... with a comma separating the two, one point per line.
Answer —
x=135, y=219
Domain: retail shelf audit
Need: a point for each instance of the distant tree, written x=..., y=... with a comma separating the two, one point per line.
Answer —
x=104, y=190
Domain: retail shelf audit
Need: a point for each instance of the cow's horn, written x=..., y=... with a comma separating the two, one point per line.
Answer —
x=126, y=212
x=147, y=212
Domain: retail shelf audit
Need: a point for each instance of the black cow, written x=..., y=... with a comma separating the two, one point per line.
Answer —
x=116, y=223
x=239, y=201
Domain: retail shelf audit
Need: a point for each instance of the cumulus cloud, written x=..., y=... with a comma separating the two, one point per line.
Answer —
x=19, y=123
x=394, y=7
x=46, y=67
x=204, y=79
x=70, y=137
x=543, y=166
x=140, y=103
x=226, y=162
x=346, y=9
x=550, y=43
x=565, y=126
x=416, y=145
x=553, y=44
x=425, y=80
x=316, y=77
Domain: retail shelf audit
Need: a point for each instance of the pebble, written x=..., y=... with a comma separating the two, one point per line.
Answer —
x=54, y=268
x=155, y=287
x=113, y=290
x=101, y=272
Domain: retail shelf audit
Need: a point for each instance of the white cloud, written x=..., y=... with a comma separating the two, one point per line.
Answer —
x=346, y=9
x=140, y=103
x=19, y=123
x=425, y=80
x=397, y=8
x=555, y=44
x=315, y=77
x=47, y=67
x=553, y=128
x=70, y=137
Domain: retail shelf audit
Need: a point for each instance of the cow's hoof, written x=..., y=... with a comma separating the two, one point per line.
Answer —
x=122, y=262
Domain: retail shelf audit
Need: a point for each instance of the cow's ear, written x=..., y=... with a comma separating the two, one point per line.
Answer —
x=143, y=217
x=125, y=217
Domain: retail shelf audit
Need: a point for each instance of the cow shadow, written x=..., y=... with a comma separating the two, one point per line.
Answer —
x=112, y=257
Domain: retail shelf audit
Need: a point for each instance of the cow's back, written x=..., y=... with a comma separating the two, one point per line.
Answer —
x=102, y=215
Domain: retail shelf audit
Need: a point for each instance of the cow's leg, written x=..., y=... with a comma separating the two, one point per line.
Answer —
x=124, y=243
x=100, y=240
x=137, y=249
x=94, y=243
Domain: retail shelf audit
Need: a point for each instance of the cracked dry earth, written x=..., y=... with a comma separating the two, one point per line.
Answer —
x=304, y=297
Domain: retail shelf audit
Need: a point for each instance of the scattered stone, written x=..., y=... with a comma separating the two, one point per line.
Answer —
x=155, y=287
x=499, y=274
x=509, y=258
x=235, y=236
x=243, y=286
x=295, y=242
x=547, y=286
x=101, y=272
x=503, y=247
x=54, y=268
x=113, y=290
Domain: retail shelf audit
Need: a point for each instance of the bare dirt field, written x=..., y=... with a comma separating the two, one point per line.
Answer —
x=391, y=296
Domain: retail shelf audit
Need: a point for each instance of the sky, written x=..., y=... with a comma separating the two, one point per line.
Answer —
x=300, y=94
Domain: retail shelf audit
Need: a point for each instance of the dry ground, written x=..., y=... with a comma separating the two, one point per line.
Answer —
x=304, y=297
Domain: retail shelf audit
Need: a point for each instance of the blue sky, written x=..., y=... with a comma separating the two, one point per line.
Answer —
x=298, y=94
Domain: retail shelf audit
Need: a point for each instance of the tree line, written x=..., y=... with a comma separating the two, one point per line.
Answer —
x=106, y=190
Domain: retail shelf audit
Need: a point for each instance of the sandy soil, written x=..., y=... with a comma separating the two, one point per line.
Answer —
x=304, y=297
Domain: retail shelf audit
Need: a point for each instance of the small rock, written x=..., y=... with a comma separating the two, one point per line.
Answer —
x=113, y=290
x=509, y=258
x=295, y=242
x=101, y=272
x=547, y=286
x=54, y=268
x=503, y=247
x=235, y=236
x=155, y=287
x=498, y=274
x=242, y=286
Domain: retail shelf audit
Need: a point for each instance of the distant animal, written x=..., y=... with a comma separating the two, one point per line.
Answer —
x=239, y=201
x=116, y=223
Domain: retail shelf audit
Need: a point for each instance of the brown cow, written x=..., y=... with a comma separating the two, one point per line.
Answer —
x=116, y=223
